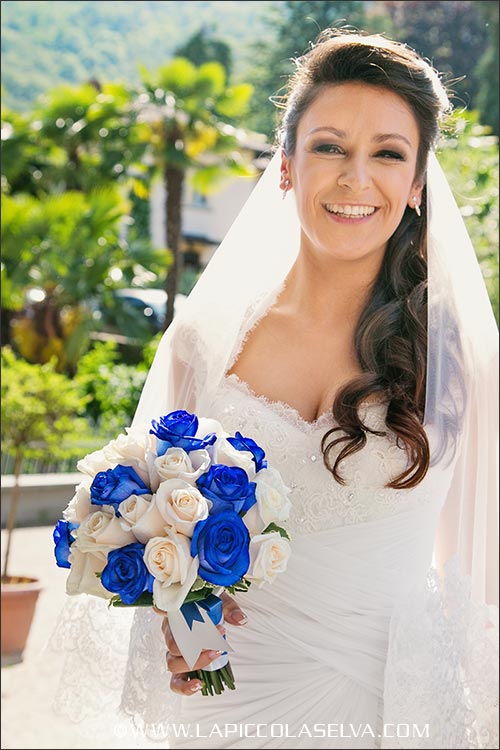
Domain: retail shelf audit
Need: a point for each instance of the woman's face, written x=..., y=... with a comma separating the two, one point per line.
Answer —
x=353, y=170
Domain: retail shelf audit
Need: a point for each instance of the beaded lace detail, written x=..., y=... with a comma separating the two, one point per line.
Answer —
x=293, y=447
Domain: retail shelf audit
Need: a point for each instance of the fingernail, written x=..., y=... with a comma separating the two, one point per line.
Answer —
x=196, y=687
x=240, y=617
x=214, y=654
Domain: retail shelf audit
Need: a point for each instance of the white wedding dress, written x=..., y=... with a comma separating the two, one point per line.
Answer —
x=354, y=639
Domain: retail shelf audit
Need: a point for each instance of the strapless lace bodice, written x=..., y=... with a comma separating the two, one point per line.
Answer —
x=293, y=447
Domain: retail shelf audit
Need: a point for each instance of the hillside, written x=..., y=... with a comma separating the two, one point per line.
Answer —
x=45, y=43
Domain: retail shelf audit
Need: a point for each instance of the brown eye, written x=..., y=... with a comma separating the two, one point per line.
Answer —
x=391, y=155
x=328, y=148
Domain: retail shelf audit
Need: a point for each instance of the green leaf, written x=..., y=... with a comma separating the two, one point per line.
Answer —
x=235, y=101
x=242, y=585
x=144, y=600
x=196, y=596
x=273, y=527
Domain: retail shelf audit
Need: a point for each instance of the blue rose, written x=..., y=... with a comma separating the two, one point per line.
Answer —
x=126, y=573
x=113, y=486
x=63, y=539
x=228, y=488
x=178, y=430
x=247, y=444
x=221, y=543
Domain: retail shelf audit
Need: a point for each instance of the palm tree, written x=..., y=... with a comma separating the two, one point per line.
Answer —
x=183, y=114
x=77, y=137
x=63, y=248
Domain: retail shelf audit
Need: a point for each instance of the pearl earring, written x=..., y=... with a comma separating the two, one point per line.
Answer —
x=285, y=189
x=417, y=207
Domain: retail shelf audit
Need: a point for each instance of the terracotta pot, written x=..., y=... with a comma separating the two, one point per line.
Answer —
x=19, y=597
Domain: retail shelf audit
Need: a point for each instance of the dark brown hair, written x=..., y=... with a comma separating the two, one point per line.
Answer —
x=391, y=334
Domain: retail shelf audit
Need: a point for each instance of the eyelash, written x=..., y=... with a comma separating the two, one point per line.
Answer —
x=330, y=148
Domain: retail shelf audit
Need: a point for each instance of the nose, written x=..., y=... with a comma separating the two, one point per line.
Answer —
x=354, y=174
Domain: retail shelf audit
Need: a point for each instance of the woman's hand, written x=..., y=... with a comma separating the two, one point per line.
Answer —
x=180, y=682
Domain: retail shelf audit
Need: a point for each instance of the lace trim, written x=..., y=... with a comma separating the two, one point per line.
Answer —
x=280, y=407
x=256, y=311
x=442, y=666
x=318, y=501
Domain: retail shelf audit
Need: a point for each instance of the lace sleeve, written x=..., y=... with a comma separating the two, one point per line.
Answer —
x=442, y=667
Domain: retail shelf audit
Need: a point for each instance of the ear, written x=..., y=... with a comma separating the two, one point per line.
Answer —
x=415, y=197
x=284, y=171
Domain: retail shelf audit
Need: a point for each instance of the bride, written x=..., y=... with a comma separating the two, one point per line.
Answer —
x=344, y=325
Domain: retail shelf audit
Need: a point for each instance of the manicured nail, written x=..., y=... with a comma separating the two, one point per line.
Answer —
x=240, y=617
x=194, y=688
x=214, y=654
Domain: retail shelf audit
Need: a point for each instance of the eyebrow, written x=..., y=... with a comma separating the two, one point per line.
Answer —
x=379, y=138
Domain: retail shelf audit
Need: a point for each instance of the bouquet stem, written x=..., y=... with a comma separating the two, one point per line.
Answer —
x=215, y=682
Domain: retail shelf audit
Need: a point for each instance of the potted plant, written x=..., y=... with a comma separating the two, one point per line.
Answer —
x=40, y=419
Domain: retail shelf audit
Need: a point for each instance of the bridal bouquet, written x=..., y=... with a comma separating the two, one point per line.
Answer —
x=173, y=515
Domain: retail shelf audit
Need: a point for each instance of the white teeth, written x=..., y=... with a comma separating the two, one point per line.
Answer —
x=334, y=208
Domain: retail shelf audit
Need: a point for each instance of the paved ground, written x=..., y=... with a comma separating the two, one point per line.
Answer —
x=27, y=718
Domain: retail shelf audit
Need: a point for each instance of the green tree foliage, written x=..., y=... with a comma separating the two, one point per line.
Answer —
x=294, y=26
x=454, y=36
x=77, y=137
x=470, y=161
x=41, y=417
x=47, y=44
x=67, y=248
x=204, y=47
x=487, y=68
x=112, y=389
x=183, y=112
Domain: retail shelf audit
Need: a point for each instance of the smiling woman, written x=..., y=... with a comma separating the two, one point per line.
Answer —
x=360, y=173
x=340, y=328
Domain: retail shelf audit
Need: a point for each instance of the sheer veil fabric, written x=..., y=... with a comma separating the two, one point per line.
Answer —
x=436, y=663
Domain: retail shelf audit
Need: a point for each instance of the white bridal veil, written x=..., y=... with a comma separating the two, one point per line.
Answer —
x=442, y=648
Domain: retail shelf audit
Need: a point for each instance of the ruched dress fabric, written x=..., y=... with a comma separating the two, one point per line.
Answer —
x=309, y=664
x=359, y=644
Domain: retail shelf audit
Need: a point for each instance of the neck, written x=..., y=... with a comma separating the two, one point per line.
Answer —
x=328, y=293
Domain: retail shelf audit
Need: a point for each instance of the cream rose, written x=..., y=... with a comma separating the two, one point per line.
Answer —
x=169, y=560
x=149, y=524
x=130, y=450
x=181, y=505
x=206, y=425
x=272, y=496
x=79, y=506
x=177, y=464
x=100, y=532
x=82, y=578
x=132, y=509
x=93, y=463
x=230, y=456
x=269, y=555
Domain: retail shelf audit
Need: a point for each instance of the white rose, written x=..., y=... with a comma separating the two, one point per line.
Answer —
x=149, y=524
x=169, y=560
x=132, y=509
x=272, y=496
x=269, y=555
x=82, y=577
x=181, y=505
x=206, y=426
x=100, y=532
x=177, y=464
x=130, y=450
x=230, y=456
x=79, y=506
x=93, y=463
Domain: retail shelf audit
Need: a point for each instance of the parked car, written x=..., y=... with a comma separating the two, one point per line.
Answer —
x=135, y=312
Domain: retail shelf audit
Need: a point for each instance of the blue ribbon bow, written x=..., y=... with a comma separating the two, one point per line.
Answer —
x=211, y=604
